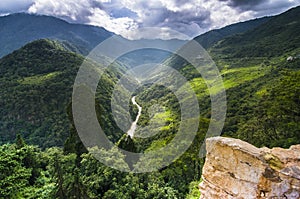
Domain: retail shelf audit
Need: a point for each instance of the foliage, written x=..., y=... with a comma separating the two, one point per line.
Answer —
x=263, y=103
x=36, y=87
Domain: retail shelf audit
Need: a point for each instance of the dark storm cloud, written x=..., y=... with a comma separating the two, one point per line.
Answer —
x=267, y=7
x=183, y=16
x=243, y=3
x=273, y=7
x=181, y=20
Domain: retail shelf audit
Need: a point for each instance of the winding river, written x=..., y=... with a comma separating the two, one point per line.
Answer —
x=131, y=131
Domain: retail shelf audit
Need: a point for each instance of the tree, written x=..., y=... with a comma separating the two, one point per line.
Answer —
x=20, y=141
x=14, y=177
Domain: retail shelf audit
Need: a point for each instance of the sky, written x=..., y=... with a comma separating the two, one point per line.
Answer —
x=170, y=18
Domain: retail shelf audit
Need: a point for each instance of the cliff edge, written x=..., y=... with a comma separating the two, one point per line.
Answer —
x=238, y=170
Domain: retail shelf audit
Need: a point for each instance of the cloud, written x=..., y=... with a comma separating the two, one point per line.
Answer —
x=274, y=7
x=190, y=17
x=244, y=4
x=262, y=7
x=128, y=18
x=68, y=9
x=125, y=16
x=119, y=26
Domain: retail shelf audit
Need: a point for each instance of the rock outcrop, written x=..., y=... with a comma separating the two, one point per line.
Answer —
x=238, y=170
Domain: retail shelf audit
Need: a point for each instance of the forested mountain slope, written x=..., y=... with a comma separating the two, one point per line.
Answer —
x=263, y=84
x=36, y=87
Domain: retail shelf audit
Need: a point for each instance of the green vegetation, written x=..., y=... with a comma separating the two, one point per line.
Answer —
x=263, y=108
x=36, y=86
x=38, y=79
x=53, y=174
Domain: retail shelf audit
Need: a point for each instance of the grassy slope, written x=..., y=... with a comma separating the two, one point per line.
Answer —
x=251, y=78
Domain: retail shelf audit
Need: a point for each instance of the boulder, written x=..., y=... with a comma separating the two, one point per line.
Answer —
x=235, y=169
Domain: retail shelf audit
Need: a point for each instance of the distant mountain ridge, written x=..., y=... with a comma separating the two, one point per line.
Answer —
x=277, y=36
x=21, y=28
x=209, y=38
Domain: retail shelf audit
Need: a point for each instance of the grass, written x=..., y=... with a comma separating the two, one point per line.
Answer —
x=162, y=120
x=236, y=76
x=231, y=77
x=262, y=92
x=194, y=192
x=38, y=79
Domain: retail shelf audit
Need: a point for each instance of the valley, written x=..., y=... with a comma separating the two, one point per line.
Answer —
x=46, y=155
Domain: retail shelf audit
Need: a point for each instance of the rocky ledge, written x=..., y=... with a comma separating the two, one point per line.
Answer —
x=238, y=170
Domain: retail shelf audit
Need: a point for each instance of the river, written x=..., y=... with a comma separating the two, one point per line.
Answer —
x=131, y=131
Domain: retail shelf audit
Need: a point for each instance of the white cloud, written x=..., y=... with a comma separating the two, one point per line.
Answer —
x=71, y=9
x=126, y=17
x=117, y=25
x=155, y=33
x=191, y=17
x=222, y=14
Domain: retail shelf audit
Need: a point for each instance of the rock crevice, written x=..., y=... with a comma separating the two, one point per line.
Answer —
x=238, y=170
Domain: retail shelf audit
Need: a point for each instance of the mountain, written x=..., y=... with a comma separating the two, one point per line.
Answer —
x=36, y=87
x=150, y=55
x=277, y=36
x=20, y=29
x=262, y=87
x=210, y=38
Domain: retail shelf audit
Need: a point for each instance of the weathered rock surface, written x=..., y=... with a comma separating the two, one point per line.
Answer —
x=237, y=170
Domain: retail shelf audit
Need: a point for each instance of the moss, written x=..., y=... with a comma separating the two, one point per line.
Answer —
x=273, y=161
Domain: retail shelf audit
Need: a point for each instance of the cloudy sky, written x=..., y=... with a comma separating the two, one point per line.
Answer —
x=128, y=17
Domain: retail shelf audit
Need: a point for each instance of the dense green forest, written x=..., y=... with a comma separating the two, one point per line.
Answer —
x=36, y=88
x=28, y=172
x=41, y=155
